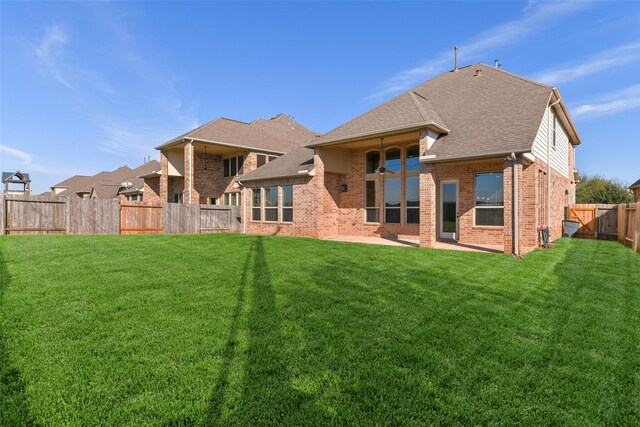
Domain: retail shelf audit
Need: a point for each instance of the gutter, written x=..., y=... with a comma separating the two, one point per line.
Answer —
x=433, y=158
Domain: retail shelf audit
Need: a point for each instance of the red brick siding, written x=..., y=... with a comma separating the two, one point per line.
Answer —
x=151, y=191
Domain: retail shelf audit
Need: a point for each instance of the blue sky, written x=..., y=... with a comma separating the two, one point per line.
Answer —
x=90, y=86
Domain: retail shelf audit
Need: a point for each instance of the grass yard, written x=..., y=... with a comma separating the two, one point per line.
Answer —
x=246, y=330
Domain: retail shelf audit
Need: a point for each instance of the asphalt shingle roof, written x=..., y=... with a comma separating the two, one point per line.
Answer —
x=279, y=134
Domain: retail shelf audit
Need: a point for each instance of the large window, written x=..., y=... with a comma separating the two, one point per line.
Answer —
x=372, y=162
x=372, y=187
x=392, y=200
x=392, y=162
x=232, y=166
x=372, y=200
x=287, y=203
x=256, y=204
x=271, y=203
x=489, y=193
x=412, y=199
x=412, y=185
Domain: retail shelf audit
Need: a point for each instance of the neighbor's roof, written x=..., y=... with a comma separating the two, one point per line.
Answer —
x=279, y=134
x=494, y=112
x=635, y=184
x=8, y=175
x=135, y=176
x=85, y=184
x=298, y=162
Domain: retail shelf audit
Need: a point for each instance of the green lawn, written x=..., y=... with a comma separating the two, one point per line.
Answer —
x=246, y=330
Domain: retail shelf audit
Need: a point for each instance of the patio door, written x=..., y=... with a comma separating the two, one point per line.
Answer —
x=449, y=209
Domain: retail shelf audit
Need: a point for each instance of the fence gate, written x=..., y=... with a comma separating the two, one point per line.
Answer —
x=34, y=215
x=587, y=219
x=140, y=218
x=607, y=222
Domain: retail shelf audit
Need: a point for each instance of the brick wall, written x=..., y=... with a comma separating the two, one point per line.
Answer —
x=636, y=194
x=151, y=191
x=304, y=209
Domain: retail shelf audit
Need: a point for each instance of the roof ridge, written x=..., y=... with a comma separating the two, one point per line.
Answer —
x=515, y=75
x=419, y=107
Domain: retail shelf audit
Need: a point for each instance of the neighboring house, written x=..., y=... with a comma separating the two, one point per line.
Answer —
x=16, y=183
x=202, y=166
x=635, y=189
x=123, y=183
x=463, y=156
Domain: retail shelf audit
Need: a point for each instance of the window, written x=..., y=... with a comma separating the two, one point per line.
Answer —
x=489, y=192
x=232, y=166
x=412, y=162
x=287, y=203
x=392, y=160
x=372, y=201
x=256, y=204
x=213, y=200
x=231, y=199
x=412, y=185
x=392, y=200
x=262, y=160
x=412, y=197
x=272, y=158
x=373, y=161
x=372, y=187
x=271, y=204
x=178, y=198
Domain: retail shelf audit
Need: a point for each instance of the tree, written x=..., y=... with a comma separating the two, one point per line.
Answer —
x=598, y=189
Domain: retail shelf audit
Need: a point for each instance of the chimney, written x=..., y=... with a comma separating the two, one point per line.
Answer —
x=478, y=73
x=455, y=51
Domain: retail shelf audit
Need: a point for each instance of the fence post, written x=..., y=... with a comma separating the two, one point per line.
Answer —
x=2, y=213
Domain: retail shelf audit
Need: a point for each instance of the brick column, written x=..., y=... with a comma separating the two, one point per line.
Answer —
x=164, y=178
x=189, y=197
x=318, y=185
x=427, y=206
x=508, y=205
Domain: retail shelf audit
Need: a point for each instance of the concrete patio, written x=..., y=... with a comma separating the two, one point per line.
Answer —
x=414, y=241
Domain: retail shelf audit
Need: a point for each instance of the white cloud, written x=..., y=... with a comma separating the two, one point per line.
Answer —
x=624, y=100
x=18, y=159
x=536, y=17
x=610, y=58
x=50, y=49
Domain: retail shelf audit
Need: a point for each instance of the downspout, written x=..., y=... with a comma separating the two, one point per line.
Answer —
x=244, y=210
x=191, y=173
x=549, y=166
x=514, y=204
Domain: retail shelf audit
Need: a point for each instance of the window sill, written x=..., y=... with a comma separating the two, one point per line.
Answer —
x=487, y=227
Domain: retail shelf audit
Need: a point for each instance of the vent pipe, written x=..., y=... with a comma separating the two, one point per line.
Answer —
x=455, y=65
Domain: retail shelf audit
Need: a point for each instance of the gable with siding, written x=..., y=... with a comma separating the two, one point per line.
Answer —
x=559, y=154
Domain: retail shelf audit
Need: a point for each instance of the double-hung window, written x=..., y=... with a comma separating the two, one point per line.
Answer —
x=271, y=204
x=489, y=194
x=256, y=204
x=287, y=203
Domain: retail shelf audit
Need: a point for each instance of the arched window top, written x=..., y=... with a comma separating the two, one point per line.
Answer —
x=412, y=161
x=372, y=161
x=392, y=160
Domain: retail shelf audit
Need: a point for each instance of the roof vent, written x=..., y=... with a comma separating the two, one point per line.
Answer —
x=455, y=64
x=478, y=73
x=126, y=184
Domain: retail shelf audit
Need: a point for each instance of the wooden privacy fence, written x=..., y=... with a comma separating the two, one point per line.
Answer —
x=47, y=215
x=611, y=222
x=597, y=221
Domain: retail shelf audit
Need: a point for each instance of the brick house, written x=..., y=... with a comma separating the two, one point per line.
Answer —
x=464, y=156
x=635, y=189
